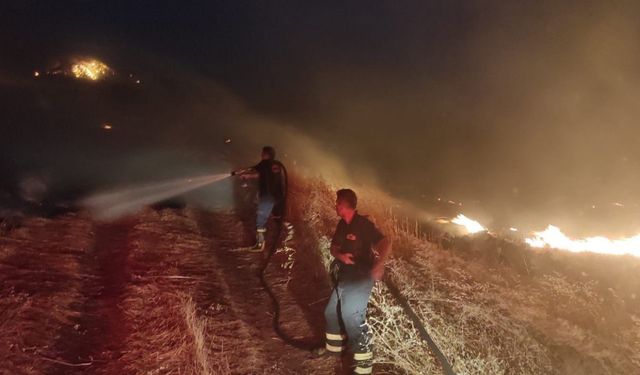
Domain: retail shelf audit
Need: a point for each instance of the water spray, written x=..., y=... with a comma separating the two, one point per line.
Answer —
x=115, y=204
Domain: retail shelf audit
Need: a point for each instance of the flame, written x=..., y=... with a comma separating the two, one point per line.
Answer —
x=553, y=237
x=90, y=69
x=470, y=225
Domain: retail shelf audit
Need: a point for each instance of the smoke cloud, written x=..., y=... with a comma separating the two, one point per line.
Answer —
x=522, y=111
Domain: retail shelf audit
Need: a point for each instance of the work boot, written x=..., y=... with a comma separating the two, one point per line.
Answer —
x=322, y=352
x=260, y=242
x=363, y=363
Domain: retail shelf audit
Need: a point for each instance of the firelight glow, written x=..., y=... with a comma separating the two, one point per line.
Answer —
x=90, y=69
x=554, y=238
x=470, y=225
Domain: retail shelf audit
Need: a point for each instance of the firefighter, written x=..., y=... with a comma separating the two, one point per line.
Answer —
x=271, y=177
x=355, y=268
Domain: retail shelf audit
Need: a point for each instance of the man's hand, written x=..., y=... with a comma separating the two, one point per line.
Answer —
x=384, y=249
x=346, y=258
x=377, y=271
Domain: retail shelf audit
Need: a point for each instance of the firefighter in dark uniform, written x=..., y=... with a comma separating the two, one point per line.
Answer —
x=356, y=268
x=271, y=177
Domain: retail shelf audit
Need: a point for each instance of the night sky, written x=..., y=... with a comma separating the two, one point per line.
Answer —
x=525, y=111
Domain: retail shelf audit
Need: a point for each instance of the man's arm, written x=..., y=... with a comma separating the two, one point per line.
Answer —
x=346, y=258
x=383, y=248
x=250, y=176
x=247, y=173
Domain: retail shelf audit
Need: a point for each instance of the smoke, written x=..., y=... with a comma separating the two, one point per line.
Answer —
x=522, y=111
x=32, y=189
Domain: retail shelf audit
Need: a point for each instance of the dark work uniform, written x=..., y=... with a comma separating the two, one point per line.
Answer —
x=271, y=191
x=346, y=310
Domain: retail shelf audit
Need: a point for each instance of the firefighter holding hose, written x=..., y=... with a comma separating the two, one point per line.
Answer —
x=271, y=176
x=355, y=269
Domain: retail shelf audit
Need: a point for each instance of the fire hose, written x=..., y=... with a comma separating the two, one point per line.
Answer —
x=297, y=343
x=391, y=286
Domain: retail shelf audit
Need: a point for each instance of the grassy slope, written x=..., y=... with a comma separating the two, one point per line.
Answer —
x=493, y=306
x=161, y=292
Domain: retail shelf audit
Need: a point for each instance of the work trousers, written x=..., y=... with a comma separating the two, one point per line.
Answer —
x=346, y=319
x=265, y=206
x=268, y=205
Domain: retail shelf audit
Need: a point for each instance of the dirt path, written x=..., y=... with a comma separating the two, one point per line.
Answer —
x=239, y=271
x=96, y=336
x=41, y=283
x=163, y=292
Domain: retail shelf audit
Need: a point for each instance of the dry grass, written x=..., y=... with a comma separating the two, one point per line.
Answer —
x=169, y=333
x=475, y=334
x=50, y=271
x=492, y=306
x=41, y=278
x=396, y=340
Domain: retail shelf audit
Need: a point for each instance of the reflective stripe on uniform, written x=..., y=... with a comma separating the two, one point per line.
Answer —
x=363, y=370
x=363, y=356
x=334, y=349
x=262, y=230
x=334, y=337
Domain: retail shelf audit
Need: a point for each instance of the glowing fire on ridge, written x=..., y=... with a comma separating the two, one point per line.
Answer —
x=470, y=225
x=553, y=237
x=90, y=69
